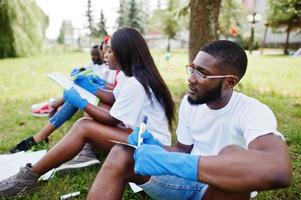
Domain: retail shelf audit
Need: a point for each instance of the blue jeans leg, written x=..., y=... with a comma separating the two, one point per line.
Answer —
x=65, y=113
x=175, y=188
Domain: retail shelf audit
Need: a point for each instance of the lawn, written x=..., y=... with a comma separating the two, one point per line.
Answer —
x=274, y=80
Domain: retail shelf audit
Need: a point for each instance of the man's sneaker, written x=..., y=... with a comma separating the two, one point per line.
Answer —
x=85, y=158
x=25, y=145
x=18, y=184
x=43, y=111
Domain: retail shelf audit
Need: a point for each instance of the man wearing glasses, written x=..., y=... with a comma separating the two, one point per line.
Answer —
x=227, y=143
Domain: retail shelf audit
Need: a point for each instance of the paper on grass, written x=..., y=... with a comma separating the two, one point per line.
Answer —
x=11, y=163
x=67, y=84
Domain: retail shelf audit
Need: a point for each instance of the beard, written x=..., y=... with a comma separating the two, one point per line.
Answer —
x=211, y=95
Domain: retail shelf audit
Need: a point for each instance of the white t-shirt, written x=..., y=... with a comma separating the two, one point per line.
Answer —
x=120, y=78
x=103, y=72
x=132, y=104
x=242, y=120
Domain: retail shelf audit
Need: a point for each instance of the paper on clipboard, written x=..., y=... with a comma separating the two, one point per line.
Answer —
x=126, y=144
x=67, y=84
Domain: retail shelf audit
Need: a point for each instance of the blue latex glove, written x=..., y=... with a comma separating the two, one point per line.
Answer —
x=148, y=138
x=97, y=81
x=85, y=83
x=154, y=160
x=75, y=71
x=72, y=97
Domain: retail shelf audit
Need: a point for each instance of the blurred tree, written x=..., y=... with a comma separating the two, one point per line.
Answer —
x=230, y=18
x=23, y=26
x=134, y=19
x=203, y=24
x=122, y=18
x=66, y=35
x=89, y=14
x=171, y=21
x=285, y=13
x=101, y=26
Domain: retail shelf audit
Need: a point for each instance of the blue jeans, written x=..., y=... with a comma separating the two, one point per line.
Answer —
x=62, y=115
x=172, y=187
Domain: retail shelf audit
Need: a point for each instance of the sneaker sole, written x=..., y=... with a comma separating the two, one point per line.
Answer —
x=39, y=115
x=65, y=168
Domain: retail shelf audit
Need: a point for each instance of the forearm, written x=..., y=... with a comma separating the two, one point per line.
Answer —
x=179, y=147
x=245, y=170
x=106, y=96
x=101, y=115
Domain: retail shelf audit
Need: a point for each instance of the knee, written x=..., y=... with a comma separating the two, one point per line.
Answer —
x=81, y=125
x=230, y=148
x=119, y=159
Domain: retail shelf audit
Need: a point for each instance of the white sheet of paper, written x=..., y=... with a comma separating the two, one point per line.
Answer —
x=126, y=144
x=67, y=84
x=11, y=163
x=135, y=187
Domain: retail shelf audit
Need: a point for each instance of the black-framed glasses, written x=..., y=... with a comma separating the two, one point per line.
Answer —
x=200, y=76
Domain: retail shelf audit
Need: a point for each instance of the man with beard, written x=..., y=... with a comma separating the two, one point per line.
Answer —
x=227, y=143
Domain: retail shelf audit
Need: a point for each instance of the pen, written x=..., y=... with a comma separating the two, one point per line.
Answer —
x=85, y=72
x=142, y=128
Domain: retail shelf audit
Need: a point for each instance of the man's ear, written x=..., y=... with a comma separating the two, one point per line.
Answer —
x=231, y=82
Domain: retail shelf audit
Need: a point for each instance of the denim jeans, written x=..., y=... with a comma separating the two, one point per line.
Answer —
x=65, y=112
x=175, y=188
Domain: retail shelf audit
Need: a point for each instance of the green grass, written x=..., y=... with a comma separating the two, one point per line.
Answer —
x=274, y=80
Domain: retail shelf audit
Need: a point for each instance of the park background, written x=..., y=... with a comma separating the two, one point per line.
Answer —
x=174, y=29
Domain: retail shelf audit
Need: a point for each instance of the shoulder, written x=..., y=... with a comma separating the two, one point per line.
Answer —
x=249, y=104
x=132, y=84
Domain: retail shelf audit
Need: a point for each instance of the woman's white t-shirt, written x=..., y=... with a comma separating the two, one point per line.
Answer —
x=132, y=104
x=242, y=120
x=103, y=72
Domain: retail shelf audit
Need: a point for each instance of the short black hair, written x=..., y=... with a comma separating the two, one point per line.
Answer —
x=94, y=47
x=232, y=58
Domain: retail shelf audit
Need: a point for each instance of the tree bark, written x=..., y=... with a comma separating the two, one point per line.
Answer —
x=288, y=30
x=203, y=24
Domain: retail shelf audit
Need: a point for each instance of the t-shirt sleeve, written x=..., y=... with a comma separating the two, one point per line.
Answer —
x=258, y=120
x=183, y=133
x=129, y=103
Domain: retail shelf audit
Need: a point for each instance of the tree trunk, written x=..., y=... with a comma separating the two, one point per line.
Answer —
x=203, y=24
x=264, y=38
x=288, y=30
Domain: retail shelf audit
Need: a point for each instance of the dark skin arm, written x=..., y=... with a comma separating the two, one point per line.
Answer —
x=101, y=115
x=179, y=147
x=106, y=96
x=265, y=165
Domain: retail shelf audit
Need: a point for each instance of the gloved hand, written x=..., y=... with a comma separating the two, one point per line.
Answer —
x=72, y=97
x=75, y=71
x=147, y=137
x=154, y=160
x=85, y=83
x=97, y=81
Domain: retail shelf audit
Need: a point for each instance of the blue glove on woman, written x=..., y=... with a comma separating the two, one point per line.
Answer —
x=147, y=137
x=75, y=71
x=97, y=81
x=73, y=98
x=154, y=160
x=85, y=83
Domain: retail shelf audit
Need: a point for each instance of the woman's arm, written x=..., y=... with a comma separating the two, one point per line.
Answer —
x=101, y=115
x=105, y=96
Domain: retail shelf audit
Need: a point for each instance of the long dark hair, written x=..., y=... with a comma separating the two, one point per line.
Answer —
x=132, y=53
